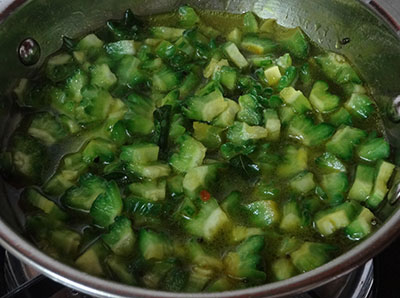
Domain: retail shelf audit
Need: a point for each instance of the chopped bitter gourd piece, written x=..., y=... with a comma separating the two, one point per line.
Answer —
x=344, y=140
x=272, y=124
x=240, y=132
x=175, y=280
x=91, y=261
x=227, y=117
x=209, y=135
x=140, y=154
x=360, y=105
x=291, y=217
x=205, y=108
x=294, y=161
x=165, y=80
x=302, y=128
x=199, y=178
x=312, y=255
x=99, y=149
x=150, y=190
x=120, y=237
x=361, y=226
x=174, y=184
x=288, y=245
x=154, y=245
x=295, y=99
x=69, y=170
x=191, y=154
x=363, y=183
x=233, y=53
x=288, y=78
x=286, y=114
x=284, y=62
x=94, y=106
x=150, y=171
x=28, y=157
x=208, y=222
x=383, y=173
x=37, y=200
x=235, y=36
x=240, y=233
x=321, y=99
x=214, y=67
x=330, y=220
x=190, y=83
x=283, y=268
x=47, y=129
x=245, y=261
x=201, y=258
x=337, y=68
x=228, y=77
x=128, y=72
x=66, y=241
x=250, y=24
x=107, y=205
x=198, y=279
x=330, y=163
x=335, y=185
x=258, y=45
x=121, y=48
x=230, y=150
x=120, y=269
x=231, y=204
x=102, y=76
x=374, y=149
x=220, y=285
x=158, y=272
x=303, y=182
x=272, y=75
x=263, y=213
x=351, y=88
x=249, y=110
x=294, y=41
x=340, y=117
x=187, y=16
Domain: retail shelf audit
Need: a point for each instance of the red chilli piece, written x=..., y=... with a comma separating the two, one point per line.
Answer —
x=205, y=195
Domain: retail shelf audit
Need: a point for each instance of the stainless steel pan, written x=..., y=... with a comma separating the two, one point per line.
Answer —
x=374, y=48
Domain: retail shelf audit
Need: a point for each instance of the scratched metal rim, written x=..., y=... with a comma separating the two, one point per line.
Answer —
x=91, y=285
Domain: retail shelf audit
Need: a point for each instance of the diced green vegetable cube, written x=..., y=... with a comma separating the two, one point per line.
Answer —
x=360, y=105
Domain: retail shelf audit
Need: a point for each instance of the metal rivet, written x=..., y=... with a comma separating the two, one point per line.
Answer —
x=394, y=110
x=29, y=52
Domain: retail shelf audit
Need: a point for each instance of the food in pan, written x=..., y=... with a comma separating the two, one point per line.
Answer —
x=197, y=151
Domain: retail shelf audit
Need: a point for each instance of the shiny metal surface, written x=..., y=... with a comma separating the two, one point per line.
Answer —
x=374, y=49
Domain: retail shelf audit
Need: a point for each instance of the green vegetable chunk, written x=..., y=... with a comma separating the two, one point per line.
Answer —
x=208, y=222
x=337, y=68
x=374, y=149
x=107, y=205
x=383, y=173
x=321, y=99
x=120, y=238
x=361, y=226
x=344, y=140
x=191, y=154
x=245, y=261
x=312, y=255
x=363, y=183
x=154, y=246
x=205, y=108
x=360, y=105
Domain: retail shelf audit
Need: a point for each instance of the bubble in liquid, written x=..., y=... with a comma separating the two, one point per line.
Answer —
x=29, y=52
